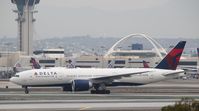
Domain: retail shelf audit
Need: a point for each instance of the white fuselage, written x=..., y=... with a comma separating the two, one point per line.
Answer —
x=60, y=76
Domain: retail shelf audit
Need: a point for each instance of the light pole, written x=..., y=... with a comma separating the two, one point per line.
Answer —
x=102, y=47
x=7, y=47
x=60, y=57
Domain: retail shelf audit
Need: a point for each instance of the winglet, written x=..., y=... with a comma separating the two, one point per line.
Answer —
x=172, y=58
x=35, y=64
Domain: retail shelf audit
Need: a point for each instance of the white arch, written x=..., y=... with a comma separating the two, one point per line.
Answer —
x=162, y=49
x=152, y=41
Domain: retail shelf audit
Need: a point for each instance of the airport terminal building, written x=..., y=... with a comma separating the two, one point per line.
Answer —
x=113, y=58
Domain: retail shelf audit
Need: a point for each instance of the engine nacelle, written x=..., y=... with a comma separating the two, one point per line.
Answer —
x=81, y=85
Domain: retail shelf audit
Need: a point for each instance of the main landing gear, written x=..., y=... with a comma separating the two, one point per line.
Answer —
x=100, y=89
x=26, y=89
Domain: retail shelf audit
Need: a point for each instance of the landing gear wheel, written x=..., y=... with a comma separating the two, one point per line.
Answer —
x=26, y=90
x=107, y=91
x=100, y=91
x=93, y=91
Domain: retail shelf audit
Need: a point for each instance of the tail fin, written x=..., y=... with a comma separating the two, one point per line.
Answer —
x=35, y=64
x=172, y=58
x=198, y=52
x=145, y=64
x=16, y=66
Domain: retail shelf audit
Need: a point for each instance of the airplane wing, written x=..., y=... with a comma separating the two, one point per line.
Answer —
x=116, y=76
x=173, y=73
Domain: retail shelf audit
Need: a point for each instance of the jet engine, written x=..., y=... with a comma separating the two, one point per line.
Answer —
x=81, y=85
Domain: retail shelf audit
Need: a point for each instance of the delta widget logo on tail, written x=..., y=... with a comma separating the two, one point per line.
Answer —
x=172, y=59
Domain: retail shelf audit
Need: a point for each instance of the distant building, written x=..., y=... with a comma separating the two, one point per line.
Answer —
x=137, y=46
x=50, y=53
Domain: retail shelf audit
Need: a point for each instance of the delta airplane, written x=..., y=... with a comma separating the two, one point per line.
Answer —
x=18, y=68
x=97, y=79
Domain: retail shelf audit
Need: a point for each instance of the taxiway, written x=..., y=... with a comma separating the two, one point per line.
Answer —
x=151, y=97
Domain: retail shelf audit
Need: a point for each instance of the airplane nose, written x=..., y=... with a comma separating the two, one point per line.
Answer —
x=13, y=80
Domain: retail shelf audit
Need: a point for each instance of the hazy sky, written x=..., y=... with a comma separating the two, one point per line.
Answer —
x=114, y=18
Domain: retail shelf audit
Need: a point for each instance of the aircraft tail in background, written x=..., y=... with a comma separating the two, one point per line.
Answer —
x=35, y=64
x=145, y=64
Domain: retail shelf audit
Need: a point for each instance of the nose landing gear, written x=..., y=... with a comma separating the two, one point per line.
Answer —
x=26, y=89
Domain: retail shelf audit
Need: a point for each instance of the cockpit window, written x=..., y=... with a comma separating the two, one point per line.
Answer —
x=16, y=76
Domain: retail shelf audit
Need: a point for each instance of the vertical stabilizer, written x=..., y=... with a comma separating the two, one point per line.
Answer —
x=35, y=64
x=172, y=58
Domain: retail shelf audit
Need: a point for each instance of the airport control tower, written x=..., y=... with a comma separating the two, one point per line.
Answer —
x=25, y=10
